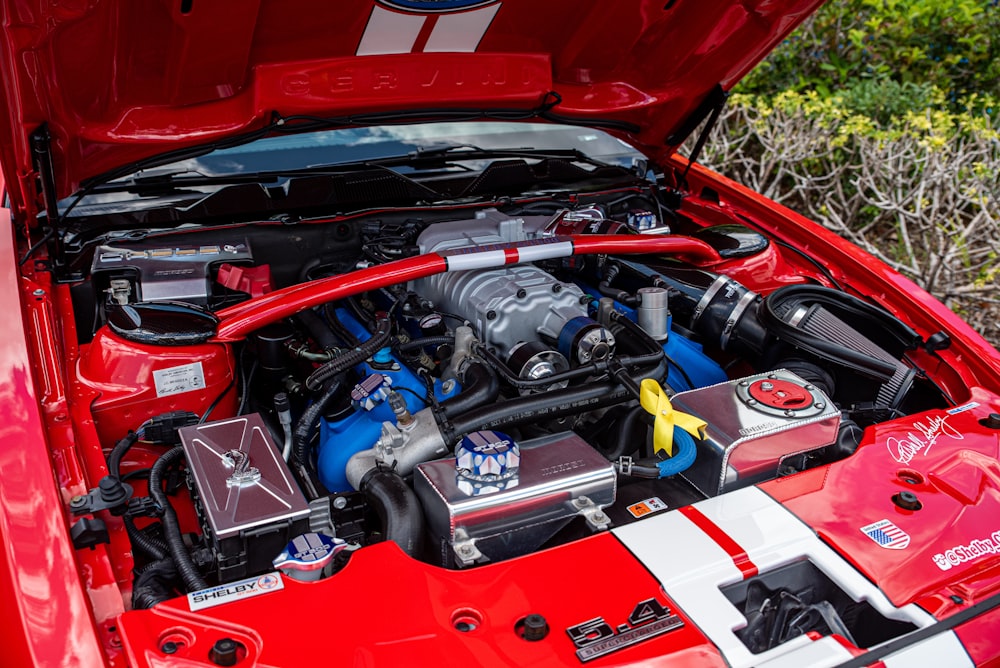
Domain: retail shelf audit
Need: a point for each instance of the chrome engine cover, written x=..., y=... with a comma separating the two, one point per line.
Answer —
x=748, y=438
x=560, y=476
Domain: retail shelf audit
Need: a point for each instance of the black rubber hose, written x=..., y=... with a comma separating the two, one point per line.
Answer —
x=171, y=528
x=622, y=296
x=549, y=405
x=118, y=453
x=845, y=307
x=349, y=358
x=306, y=426
x=590, y=369
x=398, y=509
x=155, y=549
x=481, y=387
x=318, y=330
x=625, y=443
x=425, y=341
x=152, y=585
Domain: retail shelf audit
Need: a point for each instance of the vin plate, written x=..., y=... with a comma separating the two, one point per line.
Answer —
x=235, y=591
x=179, y=379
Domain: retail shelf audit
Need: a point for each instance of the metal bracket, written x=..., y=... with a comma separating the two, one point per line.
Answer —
x=110, y=495
x=466, y=552
x=596, y=518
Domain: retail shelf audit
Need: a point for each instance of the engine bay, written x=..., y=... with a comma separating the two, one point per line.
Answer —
x=526, y=391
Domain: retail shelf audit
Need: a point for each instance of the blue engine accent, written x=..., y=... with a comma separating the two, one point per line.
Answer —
x=685, y=353
x=569, y=333
x=699, y=367
x=341, y=439
x=683, y=458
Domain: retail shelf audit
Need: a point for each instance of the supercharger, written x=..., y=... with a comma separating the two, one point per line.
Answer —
x=518, y=310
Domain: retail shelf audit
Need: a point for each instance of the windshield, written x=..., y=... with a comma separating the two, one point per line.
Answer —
x=348, y=145
x=300, y=152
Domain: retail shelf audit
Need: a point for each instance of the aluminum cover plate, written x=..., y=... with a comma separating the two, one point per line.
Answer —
x=239, y=475
x=170, y=273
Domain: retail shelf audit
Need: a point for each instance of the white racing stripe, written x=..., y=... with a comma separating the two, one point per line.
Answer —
x=460, y=32
x=692, y=567
x=390, y=32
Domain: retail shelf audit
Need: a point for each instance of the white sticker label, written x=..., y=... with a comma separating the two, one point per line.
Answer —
x=179, y=379
x=234, y=591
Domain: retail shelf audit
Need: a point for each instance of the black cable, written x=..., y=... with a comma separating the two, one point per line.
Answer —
x=218, y=400
x=171, y=527
x=816, y=263
x=337, y=327
x=153, y=548
x=153, y=584
x=245, y=397
x=136, y=474
x=118, y=453
x=349, y=358
x=423, y=399
x=416, y=344
x=549, y=405
x=687, y=378
x=306, y=426
x=38, y=244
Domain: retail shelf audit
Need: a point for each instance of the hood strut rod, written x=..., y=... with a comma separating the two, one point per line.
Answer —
x=41, y=149
x=711, y=107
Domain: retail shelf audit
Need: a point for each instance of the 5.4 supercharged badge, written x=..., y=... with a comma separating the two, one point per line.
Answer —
x=596, y=638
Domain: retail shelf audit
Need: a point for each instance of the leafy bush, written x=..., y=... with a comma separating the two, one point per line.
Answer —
x=880, y=119
x=920, y=192
x=952, y=46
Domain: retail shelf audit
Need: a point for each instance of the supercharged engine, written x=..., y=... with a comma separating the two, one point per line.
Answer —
x=523, y=391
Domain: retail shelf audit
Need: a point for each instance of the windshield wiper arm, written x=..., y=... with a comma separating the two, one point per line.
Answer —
x=170, y=182
x=472, y=152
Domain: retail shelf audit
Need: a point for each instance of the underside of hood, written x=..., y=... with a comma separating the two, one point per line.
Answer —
x=114, y=83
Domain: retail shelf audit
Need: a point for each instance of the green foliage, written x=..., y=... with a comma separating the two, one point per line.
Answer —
x=892, y=55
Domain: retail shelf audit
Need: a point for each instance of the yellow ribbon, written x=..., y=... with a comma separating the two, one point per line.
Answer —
x=654, y=400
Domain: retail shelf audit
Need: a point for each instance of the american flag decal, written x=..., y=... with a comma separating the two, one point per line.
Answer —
x=887, y=535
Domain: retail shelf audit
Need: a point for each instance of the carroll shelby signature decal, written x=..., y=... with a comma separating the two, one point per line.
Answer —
x=926, y=433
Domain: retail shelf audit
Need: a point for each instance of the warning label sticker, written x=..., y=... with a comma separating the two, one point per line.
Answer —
x=647, y=506
x=179, y=379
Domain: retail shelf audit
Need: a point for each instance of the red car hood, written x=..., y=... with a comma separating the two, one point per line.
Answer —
x=118, y=82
